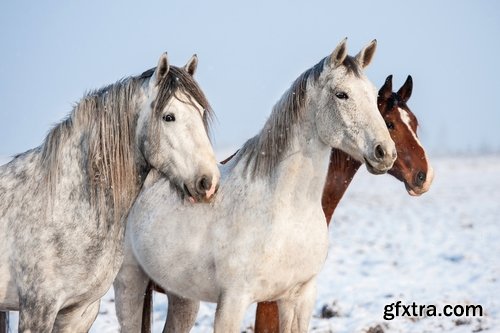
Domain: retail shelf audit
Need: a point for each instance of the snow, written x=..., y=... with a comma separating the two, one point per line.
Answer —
x=440, y=248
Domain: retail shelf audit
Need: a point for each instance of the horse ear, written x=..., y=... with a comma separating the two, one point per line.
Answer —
x=338, y=55
x=386, y=91
x=365, y=56
x=405, y=91
x=162, y=68
x=191, y=65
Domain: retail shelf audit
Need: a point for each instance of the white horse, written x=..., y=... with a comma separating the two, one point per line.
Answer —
x=63, y=204
x=264, y=237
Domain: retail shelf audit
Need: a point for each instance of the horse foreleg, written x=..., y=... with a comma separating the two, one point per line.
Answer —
x=130, y=285
x=181, y=314
x=286, y=314
x=304, y=307
x=230, y=312
x=76, y=319
x=295, y=311
x=36, y=314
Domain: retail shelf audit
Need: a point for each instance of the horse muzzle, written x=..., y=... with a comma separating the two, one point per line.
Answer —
x=203, y=189
x=381, y=158
x=421, y=182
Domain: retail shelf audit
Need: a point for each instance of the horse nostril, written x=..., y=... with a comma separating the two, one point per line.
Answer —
x=379, y=152
x=420, y=178
x=203, y=184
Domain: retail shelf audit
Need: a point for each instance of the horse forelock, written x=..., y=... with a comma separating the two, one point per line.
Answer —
x=263, y=152
x=178, y=79
x=352, y=66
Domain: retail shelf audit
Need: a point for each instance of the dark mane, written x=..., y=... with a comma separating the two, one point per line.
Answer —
x=178, y=79
x=352, y=66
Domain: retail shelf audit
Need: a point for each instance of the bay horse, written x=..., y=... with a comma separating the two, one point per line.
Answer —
x=412, y=167
x=264, y=236
x=63, y=204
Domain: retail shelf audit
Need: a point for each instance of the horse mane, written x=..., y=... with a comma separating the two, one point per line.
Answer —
x=107, y=119
x=265, y=150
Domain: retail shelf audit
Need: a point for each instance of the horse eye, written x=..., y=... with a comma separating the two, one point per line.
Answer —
x=341, y=95
x=169, y=117
x=390, y=125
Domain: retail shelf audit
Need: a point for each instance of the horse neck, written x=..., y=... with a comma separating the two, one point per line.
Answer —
x=341, y=171
x=304, y=164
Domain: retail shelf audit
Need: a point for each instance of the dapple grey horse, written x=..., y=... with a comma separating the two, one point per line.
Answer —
x=63, y=204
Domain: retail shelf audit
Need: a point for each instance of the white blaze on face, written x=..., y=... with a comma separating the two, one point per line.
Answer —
x=406, y=120
x=430, y=171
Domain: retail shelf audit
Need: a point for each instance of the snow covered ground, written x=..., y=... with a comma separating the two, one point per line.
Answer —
x=440, y=248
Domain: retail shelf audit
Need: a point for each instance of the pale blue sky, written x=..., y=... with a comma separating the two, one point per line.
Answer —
x=250, y=52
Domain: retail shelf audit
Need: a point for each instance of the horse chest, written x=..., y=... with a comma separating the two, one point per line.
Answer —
x=294, y=251
x=273, y=254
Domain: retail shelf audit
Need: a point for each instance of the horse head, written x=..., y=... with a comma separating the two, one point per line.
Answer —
x=172, y=129
x=412, y=165
x=347, y=116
